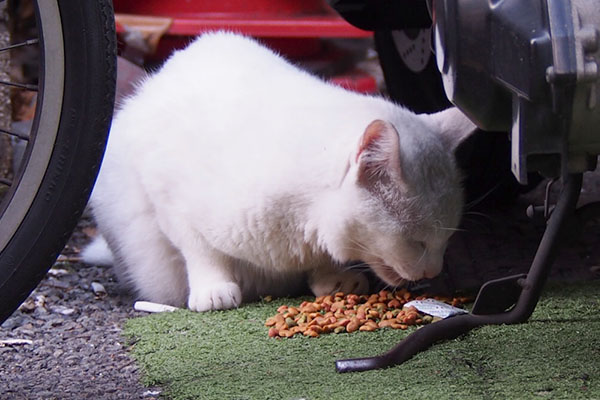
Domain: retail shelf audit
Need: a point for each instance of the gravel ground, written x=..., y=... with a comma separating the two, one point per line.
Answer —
x=70, y=327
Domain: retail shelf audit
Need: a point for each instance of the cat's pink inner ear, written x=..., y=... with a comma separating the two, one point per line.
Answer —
x=378, y=153
x=369, y=138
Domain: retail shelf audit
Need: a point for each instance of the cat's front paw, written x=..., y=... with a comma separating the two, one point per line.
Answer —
x=217, y=296
x=323, y=284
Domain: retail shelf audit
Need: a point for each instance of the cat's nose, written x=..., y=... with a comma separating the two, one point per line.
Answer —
x=434, y=268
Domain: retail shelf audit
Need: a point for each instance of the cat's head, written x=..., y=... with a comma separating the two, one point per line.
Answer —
x=408, y=194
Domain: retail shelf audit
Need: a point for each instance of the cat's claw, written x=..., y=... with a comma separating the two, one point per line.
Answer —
x=345, y=281
x=217, y=296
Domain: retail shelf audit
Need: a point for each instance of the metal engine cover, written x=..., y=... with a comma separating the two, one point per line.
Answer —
x=528, y=67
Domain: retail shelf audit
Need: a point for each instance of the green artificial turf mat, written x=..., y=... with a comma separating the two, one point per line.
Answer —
x=227, y=355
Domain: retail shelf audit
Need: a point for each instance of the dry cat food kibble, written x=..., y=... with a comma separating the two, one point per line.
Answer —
x=340, y=313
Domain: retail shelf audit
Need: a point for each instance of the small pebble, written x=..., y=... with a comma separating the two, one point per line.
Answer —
x=28, y=306
x=15, y=342
x=63, y=310
x=40, y=301
x=58, y=283
x=148, y=306
x=12, y=323
x=98, y=288
x=58, y=272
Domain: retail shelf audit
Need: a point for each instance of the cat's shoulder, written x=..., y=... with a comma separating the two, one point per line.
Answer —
x=224, y=37
x=218, y=43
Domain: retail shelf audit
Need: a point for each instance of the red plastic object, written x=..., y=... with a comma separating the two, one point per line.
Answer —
x=260, y=18
x=291, y=27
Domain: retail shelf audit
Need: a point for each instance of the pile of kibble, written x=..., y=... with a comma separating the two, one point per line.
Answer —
x=341, y=313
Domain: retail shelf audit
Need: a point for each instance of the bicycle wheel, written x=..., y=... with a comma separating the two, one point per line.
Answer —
x=50, y=188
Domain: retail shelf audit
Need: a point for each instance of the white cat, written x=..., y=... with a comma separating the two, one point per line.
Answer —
x=231, y=174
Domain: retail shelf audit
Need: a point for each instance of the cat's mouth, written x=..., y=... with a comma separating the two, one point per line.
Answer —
x=388, y=274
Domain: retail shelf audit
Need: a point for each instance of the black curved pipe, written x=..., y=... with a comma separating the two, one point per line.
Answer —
x=453, y=327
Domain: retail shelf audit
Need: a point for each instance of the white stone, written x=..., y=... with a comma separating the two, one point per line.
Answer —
x=98, y=288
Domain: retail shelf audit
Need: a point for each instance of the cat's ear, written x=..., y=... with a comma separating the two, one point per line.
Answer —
x=378, y=153
x=453, y=125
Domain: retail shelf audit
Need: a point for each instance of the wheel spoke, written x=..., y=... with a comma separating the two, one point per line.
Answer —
x=29, y=42
x=20, y=85
x=20, y=135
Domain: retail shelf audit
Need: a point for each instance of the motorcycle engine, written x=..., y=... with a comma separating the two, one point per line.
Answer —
x=530, y=68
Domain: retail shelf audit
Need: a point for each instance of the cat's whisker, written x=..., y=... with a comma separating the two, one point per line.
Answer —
x=362, y=249
x=443, y=228
x=478, y=200
x=478, y=214
x=439, y=226
x=356, y=266
x=360, y=245
x=483, y=221
x=363, y=252
x=391, y=288
x=375, y=263
x=421, y=258
x=386, y=287
x=395, y=288
x=353, y=249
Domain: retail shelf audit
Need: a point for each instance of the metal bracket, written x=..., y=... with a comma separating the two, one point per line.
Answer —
x=498, y=295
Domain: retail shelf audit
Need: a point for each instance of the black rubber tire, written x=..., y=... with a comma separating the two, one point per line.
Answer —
x=88, y=97
x=421, y=92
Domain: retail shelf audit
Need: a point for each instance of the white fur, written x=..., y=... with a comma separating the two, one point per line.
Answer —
x=98, y=253
x=232, y=174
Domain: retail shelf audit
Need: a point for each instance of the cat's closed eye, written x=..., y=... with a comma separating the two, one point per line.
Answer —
x=422, y=246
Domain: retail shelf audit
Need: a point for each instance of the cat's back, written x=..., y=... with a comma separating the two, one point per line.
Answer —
x=223, y=72
x=227, y=63
x=223, y=52
x=227, y=104
x=229, y=92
